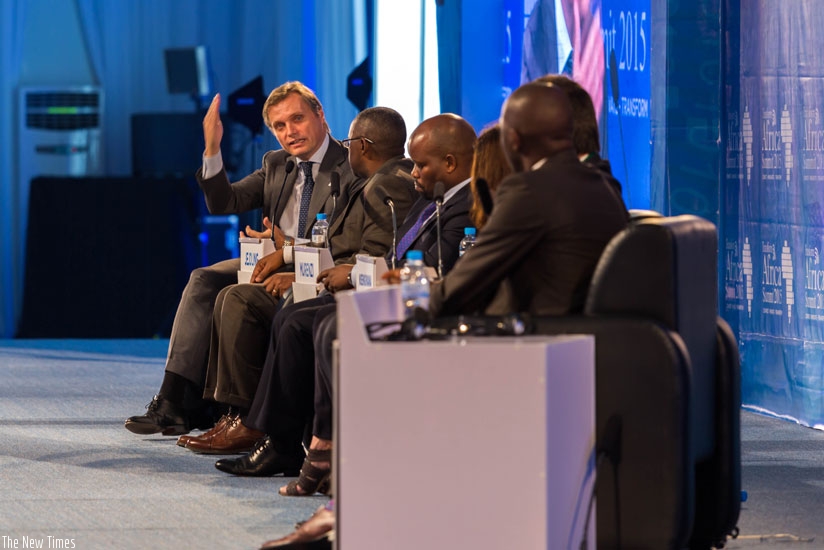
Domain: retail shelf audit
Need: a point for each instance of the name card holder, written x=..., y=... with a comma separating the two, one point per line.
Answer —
x=252, y=250
x=368, y=271
x=309, y=262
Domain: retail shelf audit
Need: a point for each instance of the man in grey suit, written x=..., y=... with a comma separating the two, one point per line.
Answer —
x=243, y=313
x=551, y=221
x=295, y=116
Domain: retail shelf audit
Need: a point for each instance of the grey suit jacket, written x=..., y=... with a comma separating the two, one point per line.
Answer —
x=365, y=224
x=543, y=239
x=270, y=186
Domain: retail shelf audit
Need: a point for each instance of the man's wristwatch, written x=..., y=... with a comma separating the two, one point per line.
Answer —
x=288, y=241
x=349, y=278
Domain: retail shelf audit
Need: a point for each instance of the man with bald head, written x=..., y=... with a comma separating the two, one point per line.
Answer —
x=551, y=221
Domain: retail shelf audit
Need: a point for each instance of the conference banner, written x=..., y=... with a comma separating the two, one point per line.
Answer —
x=772, y=268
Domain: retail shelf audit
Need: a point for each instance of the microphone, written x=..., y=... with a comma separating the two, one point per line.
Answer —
x=290, y=165
x=613, y=80
x=484, y=195
x=387, y=200
x=334, y=184
x=438, y=196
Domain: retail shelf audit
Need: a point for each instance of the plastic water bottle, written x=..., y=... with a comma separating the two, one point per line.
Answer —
x=468, y=241
x=320, y=232
x=414, y=283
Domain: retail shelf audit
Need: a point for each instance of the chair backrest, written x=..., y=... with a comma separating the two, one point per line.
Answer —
x=665, y=268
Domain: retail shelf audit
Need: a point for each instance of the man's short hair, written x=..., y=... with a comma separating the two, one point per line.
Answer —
x=385, y=127
x=284, y=90
x=585, y=136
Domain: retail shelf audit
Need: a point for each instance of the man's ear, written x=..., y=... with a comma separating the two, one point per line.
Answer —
x=451, y=163
x=513, y=138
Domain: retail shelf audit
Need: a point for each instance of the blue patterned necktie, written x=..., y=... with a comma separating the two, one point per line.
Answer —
x=305, y=197
x=410, y=235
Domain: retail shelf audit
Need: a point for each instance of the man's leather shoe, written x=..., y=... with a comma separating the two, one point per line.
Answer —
x=218, y=427
x=161, y=416
x=263, y=460
x=317, y=532
x=234, y=438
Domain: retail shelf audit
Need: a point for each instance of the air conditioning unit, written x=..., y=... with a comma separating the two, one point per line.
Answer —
x=60, y=132
x=59, y=135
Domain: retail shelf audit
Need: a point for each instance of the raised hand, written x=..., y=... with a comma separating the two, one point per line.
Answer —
x=213, y=128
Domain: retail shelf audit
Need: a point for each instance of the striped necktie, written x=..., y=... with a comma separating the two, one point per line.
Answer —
x=410, y=235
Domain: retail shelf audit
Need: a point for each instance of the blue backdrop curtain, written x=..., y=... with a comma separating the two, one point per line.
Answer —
x=448, y=18
x=11, y=56
x=311, y=41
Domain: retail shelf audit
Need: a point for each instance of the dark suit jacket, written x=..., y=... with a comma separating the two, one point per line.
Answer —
x=454, y=218
x=602, y=164
x=263, y=187
x=543, y=238
x=364, y=226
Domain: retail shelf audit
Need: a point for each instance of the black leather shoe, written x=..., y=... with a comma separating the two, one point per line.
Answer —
x=262, y=461
x=161, y=416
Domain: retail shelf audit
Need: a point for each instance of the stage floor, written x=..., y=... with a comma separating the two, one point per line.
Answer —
x=71, y=471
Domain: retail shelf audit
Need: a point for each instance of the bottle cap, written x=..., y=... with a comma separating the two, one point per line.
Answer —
x=321, y=216
x=414, y=255
x=469, y=230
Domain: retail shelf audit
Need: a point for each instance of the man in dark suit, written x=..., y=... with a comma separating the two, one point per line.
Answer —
x=243, y=313
x=295, y=116
x=551, y=221
x=442, y=149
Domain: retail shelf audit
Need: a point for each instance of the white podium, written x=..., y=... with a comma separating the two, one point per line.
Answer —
x=481, y=443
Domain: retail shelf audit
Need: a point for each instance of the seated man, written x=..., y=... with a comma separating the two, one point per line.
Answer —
x=441, y=148
x=243, y=313
x=551, y=221
x=295, y=116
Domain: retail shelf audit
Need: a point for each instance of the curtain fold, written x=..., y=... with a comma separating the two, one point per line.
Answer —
x=449, y=54
x=12, y=23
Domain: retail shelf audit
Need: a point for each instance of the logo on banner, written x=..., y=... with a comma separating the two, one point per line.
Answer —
x=787, y=139
x=746, y=135
x=738, y=277
x=814, y=284
x=777, y=279
x=772, y=147
x=746, y=264
x=734, y=147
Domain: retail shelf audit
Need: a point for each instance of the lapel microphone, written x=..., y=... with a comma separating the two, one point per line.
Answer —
x=438, y=196
x=290, y=165
x=334, y=190
x=387, y=200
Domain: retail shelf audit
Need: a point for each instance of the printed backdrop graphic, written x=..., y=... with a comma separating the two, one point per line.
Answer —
x=604, y=45
x=773, y=272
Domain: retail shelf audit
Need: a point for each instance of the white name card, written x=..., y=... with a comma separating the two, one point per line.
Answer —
x=368, y=271
x=252, y=250
x=305, y=291
x=309, y=262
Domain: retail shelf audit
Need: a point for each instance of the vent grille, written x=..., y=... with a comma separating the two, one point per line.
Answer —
x=62, y=110
x=36, y=100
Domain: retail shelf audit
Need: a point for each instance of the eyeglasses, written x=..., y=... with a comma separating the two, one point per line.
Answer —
x=346, y=142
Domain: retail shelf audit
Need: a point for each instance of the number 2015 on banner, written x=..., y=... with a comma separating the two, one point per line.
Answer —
x=627, y=32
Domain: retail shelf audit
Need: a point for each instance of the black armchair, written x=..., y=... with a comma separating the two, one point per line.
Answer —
x=667, y=388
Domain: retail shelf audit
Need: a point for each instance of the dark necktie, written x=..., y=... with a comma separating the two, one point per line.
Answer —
x=410, y=235
x=305, y=197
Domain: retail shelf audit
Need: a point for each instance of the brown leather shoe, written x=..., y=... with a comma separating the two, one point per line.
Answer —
x=316, y=532
x=219, y=426
x=235, y=438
